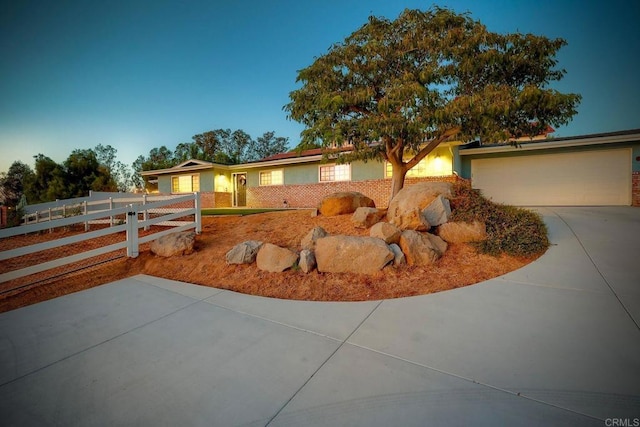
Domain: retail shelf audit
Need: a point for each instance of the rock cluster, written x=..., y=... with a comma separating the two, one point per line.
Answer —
x=404, y=238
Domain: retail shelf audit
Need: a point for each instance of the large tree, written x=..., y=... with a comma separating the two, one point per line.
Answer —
x=397, y=89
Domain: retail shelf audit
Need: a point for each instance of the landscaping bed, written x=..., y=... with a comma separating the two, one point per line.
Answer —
x=461, y=265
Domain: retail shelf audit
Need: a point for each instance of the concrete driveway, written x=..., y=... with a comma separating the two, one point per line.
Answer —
x=555, y=343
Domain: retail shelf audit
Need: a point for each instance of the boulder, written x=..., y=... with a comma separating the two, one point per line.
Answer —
x=174, y=244
x=406, y=208
x=399, y=258
x=275, y=259
x=352, y=254
x=244, y=253
x=366, y=217
x=421, y=248
x=344, y=203
x=462, y=232
x=309, y=241
x=438, y=211
x=307, y=261
x=385, y=231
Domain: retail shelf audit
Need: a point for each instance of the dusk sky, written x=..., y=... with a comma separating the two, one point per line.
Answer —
x=138, y=74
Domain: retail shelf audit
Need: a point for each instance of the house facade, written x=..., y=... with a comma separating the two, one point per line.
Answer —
x=602, y=169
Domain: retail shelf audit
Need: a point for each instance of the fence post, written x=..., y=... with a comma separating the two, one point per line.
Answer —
x=111, y=208
x=85, y=211
x=196, y=204
x=132, y=233
x=145, y=214
x=50, y=229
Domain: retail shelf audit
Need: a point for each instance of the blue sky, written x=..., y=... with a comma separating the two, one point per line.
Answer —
x=138, y=74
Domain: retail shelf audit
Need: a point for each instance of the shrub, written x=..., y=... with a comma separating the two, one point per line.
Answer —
x=510, y=230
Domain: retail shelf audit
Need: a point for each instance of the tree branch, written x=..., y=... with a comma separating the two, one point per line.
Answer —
x=431, y=146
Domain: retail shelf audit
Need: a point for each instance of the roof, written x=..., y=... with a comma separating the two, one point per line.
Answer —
x=189, y=165
x=291, y=154
x=626, y=136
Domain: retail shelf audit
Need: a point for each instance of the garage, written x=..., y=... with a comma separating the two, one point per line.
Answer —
x=582, y=178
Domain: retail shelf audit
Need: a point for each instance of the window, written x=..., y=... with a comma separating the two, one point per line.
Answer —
x=274, y=177
x=429, y=166
x=185, y=183
x=330, y=173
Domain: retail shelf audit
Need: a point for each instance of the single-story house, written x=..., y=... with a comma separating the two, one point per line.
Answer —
x=599, y=169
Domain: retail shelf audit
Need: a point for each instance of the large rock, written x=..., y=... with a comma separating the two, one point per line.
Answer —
x=399, y=257
x=421, y=248
x=385, y=231
x=344, y=203
x=438, y=211
x=406, y=208
x=309, y=241
x=462, y=232
x=181, y=243
x=307, y=261
x=352, y=254
x=275, y=259
x=366, y=217
x=244, y=253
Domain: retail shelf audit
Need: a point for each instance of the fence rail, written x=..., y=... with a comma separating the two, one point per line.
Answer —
x=163, y=214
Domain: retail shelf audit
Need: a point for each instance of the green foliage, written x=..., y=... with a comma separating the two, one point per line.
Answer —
x=222, y=146
x=13, y=183
x=510, y=230
x=402, y=87
x=83, y=171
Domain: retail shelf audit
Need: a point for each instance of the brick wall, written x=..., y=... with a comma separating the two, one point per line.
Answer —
x=221, y=200
x=635, y=189
x=207, y=199
x=310, y=195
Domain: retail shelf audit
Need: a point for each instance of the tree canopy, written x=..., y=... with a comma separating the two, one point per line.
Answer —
x=400, y=88
x=83, y=171
x=222, y=146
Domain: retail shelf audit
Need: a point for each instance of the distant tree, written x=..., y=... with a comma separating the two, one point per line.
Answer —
x=106, y=156
x=14, y=181
x=237, y=146
x=158, y=158
x=400, y=88
x=83, y=173
x=208, y=143
x=267, y=145
x=186, y=151
x=47, y=172
x=221, y=146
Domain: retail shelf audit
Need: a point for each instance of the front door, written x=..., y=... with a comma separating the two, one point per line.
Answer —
x=240, y=189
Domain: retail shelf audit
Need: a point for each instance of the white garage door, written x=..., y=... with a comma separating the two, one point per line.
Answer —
x=593, y=178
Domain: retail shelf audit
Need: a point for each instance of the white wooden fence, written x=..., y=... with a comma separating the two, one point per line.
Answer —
x=167, y=216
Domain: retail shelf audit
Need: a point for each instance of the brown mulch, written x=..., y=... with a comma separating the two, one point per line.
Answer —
x=460, y=266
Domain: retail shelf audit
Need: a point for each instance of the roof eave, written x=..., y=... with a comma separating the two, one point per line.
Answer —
x=553, y=143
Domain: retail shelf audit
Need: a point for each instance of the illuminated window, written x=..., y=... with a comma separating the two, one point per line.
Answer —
x=274, y=177
x=429, y=166
x=330, y=173
x=185, y=183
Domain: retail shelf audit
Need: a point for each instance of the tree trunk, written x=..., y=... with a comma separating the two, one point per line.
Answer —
x=398, y=173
